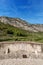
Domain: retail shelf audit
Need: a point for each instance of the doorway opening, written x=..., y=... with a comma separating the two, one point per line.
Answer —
x=8, y=50
x=24, y=56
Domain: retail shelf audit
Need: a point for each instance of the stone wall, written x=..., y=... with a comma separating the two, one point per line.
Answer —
x=20, y=49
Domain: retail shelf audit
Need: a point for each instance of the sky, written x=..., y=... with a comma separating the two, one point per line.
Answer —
x=29, y=10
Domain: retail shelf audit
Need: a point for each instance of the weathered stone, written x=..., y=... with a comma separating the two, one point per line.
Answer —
x=20, y=49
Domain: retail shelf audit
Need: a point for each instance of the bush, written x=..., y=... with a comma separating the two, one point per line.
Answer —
x=10, y=32
x=22, y=34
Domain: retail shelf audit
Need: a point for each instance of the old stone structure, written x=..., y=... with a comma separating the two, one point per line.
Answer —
x=20, y=49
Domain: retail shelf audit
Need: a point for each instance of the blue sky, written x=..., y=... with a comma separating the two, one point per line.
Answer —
x=29, y=10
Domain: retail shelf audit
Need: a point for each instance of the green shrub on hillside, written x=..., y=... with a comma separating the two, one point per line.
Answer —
x=8, y=32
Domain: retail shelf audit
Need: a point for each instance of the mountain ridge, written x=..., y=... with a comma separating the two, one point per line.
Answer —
x=17, y=22
x=9, y=32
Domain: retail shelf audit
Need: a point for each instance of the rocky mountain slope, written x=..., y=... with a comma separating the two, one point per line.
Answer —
x=17, y=22
x=19, y=30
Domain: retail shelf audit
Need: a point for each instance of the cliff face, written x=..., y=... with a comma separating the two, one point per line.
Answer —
x=17, y=22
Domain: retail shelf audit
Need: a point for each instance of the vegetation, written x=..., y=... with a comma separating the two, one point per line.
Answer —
x=8, y=33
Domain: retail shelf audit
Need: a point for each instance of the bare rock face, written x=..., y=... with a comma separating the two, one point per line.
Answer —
x=17, y=22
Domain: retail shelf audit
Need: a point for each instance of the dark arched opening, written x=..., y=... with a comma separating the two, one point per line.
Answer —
x=8, y=50
x=24, y=56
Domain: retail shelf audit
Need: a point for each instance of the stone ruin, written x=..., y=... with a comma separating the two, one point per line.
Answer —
x=21, y=49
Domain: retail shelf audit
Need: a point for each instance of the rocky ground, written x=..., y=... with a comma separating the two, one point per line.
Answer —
x=21, y=62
